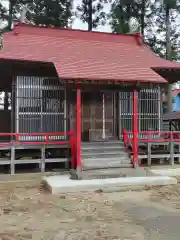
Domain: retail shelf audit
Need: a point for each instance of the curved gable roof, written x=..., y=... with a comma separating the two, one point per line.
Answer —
x=86, y=55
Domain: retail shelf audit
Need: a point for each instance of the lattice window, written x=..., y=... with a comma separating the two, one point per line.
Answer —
x=40, y=105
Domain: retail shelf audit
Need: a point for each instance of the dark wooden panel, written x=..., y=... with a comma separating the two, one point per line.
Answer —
x=109, y=114
x=96, y=113
x=92, y=114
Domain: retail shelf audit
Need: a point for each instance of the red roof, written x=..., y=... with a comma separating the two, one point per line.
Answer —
x=85, y=55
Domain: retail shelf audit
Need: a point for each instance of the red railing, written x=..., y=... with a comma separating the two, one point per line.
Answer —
x=155, y=136
x=15, y=140
x=47, y=141
x=127, y=142
x=149, y=137
x=126, y=138
x=73, y=151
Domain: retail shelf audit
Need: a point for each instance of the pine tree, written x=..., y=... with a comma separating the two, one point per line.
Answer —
x=91, y=12
x=3, y=12
x=153, y=19
x=52, y=13
x=123, y=10
x=57, y=13
x=7, y=15
x=163, y=34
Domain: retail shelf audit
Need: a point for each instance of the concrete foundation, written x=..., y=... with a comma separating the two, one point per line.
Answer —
x=63, y=184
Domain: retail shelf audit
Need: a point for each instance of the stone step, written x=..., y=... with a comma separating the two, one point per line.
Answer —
x=97, y=147
x=105, y=155
x=99, y=165
x=102, y=149
x=102, y=174
x=90, y=145
x=106, y=158
x=102, y=142
x=110, y=173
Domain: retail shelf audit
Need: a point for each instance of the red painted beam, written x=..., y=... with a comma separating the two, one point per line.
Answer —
x=135, y=127
x=78, y=130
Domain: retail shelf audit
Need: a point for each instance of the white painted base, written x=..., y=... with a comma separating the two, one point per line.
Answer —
x=171, y=172
x=63, y=184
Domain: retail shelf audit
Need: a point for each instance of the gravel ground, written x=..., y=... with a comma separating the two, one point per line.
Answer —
x=27, y=211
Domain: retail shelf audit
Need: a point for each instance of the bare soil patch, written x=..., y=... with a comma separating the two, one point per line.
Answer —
x=29, y=212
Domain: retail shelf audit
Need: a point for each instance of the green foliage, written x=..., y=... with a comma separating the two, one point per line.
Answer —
x=156, y=32
x=152, y=18
x=91, y=12
x=56, y=13
x=3, y=12
x=172, y=4
x=122, y=11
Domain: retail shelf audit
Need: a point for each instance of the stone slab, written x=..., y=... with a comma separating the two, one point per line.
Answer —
x=63, y=184
x=171, y=172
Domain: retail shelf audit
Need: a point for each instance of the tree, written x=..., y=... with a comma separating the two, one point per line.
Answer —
x=163, y=33
x=3, y=12
x=153, y=19
x=56, y=13
x=122, y=11
x=91, y=12
x=169, y=5
x=8, y=14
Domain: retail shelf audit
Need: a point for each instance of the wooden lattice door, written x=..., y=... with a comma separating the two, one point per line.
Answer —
x=98, y=117
x=87, y=115
x=110, y=115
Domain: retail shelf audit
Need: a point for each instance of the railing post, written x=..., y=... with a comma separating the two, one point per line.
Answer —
x=73, y=151
x=171, y=148
x=12, y=160
x=43, y=157
x=125, y=137
x=135, y=127
x=78, y=132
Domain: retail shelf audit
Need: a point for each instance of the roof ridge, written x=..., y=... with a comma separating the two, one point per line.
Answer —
x=76, y=30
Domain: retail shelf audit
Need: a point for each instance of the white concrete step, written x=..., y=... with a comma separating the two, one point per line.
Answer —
x=63, y=184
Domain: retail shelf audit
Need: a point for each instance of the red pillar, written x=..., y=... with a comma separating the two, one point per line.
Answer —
x=78, y=130
x=135, y=127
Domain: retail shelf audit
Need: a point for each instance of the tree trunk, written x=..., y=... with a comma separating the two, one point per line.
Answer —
x=90, y=10
x=10, y=15
x=168, y=34
x=142, y=17
x=168, y=56
x=121, y=21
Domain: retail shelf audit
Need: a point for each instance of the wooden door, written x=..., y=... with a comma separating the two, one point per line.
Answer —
x=87, y=115
x=98, y=115
x=110, y=115
x=96, y=131
x=98, y=118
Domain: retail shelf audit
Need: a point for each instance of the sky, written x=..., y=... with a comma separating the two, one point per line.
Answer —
x=78, y=24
